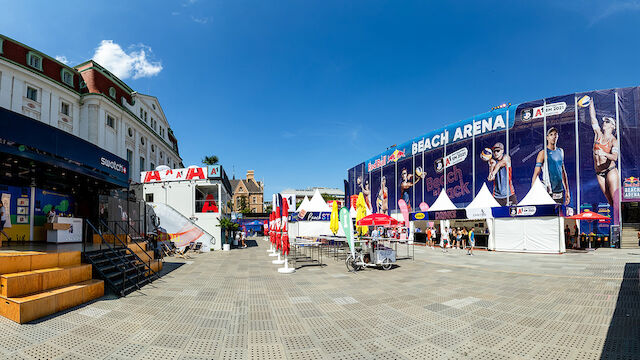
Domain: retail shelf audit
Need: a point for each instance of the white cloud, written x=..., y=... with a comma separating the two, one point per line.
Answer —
x=62, y=59
x=124, y=65
x=615, y=7
x=200, y=20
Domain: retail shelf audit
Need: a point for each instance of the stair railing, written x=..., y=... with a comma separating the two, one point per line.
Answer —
x=122, y=267
x=127, y=249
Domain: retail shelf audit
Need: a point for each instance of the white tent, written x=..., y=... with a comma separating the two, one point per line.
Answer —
x=317, y=203
x=542, y=234
x=537, y=195
x=316, y=227
x=483, y=199
x=303, y=204
x=442, y=203
x=480, y=208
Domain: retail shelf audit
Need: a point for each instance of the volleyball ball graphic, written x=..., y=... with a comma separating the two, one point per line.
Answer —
x=584, y=101
x=486, y=154
x=419, y=171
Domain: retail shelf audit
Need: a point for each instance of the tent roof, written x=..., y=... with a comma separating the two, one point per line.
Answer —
x=442, y=203
x=483, y=199
x=537, y=195
x=317, y=203
x=304, y=203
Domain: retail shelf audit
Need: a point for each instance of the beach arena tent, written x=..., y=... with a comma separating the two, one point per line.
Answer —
x=541, y=234
x=442, y=203
x=480, y=208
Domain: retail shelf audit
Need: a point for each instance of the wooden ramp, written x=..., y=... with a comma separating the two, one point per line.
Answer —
x=36, y=284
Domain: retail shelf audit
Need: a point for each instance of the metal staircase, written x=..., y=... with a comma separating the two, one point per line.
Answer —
x=116, y=262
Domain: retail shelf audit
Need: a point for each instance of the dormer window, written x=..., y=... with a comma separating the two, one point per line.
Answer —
x=112, y=92
x=1, y=41
x=34, y=60
x=154, y=106
x=67, y=77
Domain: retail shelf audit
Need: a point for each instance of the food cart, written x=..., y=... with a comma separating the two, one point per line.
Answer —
x=371, y=252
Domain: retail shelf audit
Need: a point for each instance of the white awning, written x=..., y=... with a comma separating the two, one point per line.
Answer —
x=304, y=204
x=317, y=204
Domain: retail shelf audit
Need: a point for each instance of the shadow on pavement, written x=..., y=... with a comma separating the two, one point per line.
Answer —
x=623, y=336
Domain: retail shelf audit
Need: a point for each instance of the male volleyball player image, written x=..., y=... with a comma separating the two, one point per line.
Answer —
x=605, y=155
x=500, y=173
x=553, y=172
x=407, y=184
x=383, y=197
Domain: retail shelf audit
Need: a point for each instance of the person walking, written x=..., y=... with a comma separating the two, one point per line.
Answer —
x=3, y=220
x=429, y=243
x=472, y=242
x=459, y=238
x=434, y=236
x=243, y=237
x=445, y=240
x=567, y=236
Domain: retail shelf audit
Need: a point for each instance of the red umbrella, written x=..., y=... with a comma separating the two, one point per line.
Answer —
x=272, y=232
x=278, y=226
x=285, y=233
x=377, y=220
x=589, y=215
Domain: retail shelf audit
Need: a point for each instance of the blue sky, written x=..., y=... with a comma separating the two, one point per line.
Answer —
x=300, y=91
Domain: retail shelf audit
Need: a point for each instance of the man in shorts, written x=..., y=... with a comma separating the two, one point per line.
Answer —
x=551, y=163
x=472, y=241
x=445, y=240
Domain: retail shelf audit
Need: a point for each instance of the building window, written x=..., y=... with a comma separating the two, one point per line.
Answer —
x=111, y=122
x=153, y=148
x=207, y=198
x=67, y=77
x=83, y=85
x=153, y=166
x=32, y=93
x=141, y=114
x=160, y=155
x=1, y=41
x=129, y=157
x=145, y=116
x=141, y=140
x=141, y=164
x=64, y=108
x=130, y=131
x=154, y=106
x=112, y=92
x=148, y=197
x=34, y=60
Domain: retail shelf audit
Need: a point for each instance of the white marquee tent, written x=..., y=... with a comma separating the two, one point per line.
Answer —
x=480, y=208
x=315, y=227
x=541, y=234
x=442, y=203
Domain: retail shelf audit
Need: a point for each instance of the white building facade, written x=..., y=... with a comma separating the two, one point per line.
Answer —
x=88, y=102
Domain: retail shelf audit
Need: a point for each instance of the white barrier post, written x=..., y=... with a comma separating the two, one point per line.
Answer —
x=286, y=269
x=278, y=261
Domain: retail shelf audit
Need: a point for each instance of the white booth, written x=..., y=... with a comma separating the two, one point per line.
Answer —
x=64, y=230
x=525, y=230
x=189, y=203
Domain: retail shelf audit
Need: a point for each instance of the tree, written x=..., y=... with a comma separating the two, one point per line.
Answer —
x=227, y=226
x=268, y=209
x=327, y=197
x=210, y=160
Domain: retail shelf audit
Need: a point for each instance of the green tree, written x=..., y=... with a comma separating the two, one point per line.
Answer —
x=328, y=197
x=228, y=227
x=210, y=160
x=268, y=209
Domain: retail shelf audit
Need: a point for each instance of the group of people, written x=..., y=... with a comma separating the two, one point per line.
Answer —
x=459, y=238
x=241, y=236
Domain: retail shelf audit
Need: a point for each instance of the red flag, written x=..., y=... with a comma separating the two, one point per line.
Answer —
x=285, y=233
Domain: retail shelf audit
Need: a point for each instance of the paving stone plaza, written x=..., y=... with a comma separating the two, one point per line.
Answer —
x=235, y=305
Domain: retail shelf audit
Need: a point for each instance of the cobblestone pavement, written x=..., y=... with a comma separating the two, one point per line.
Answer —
x=441, y=306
